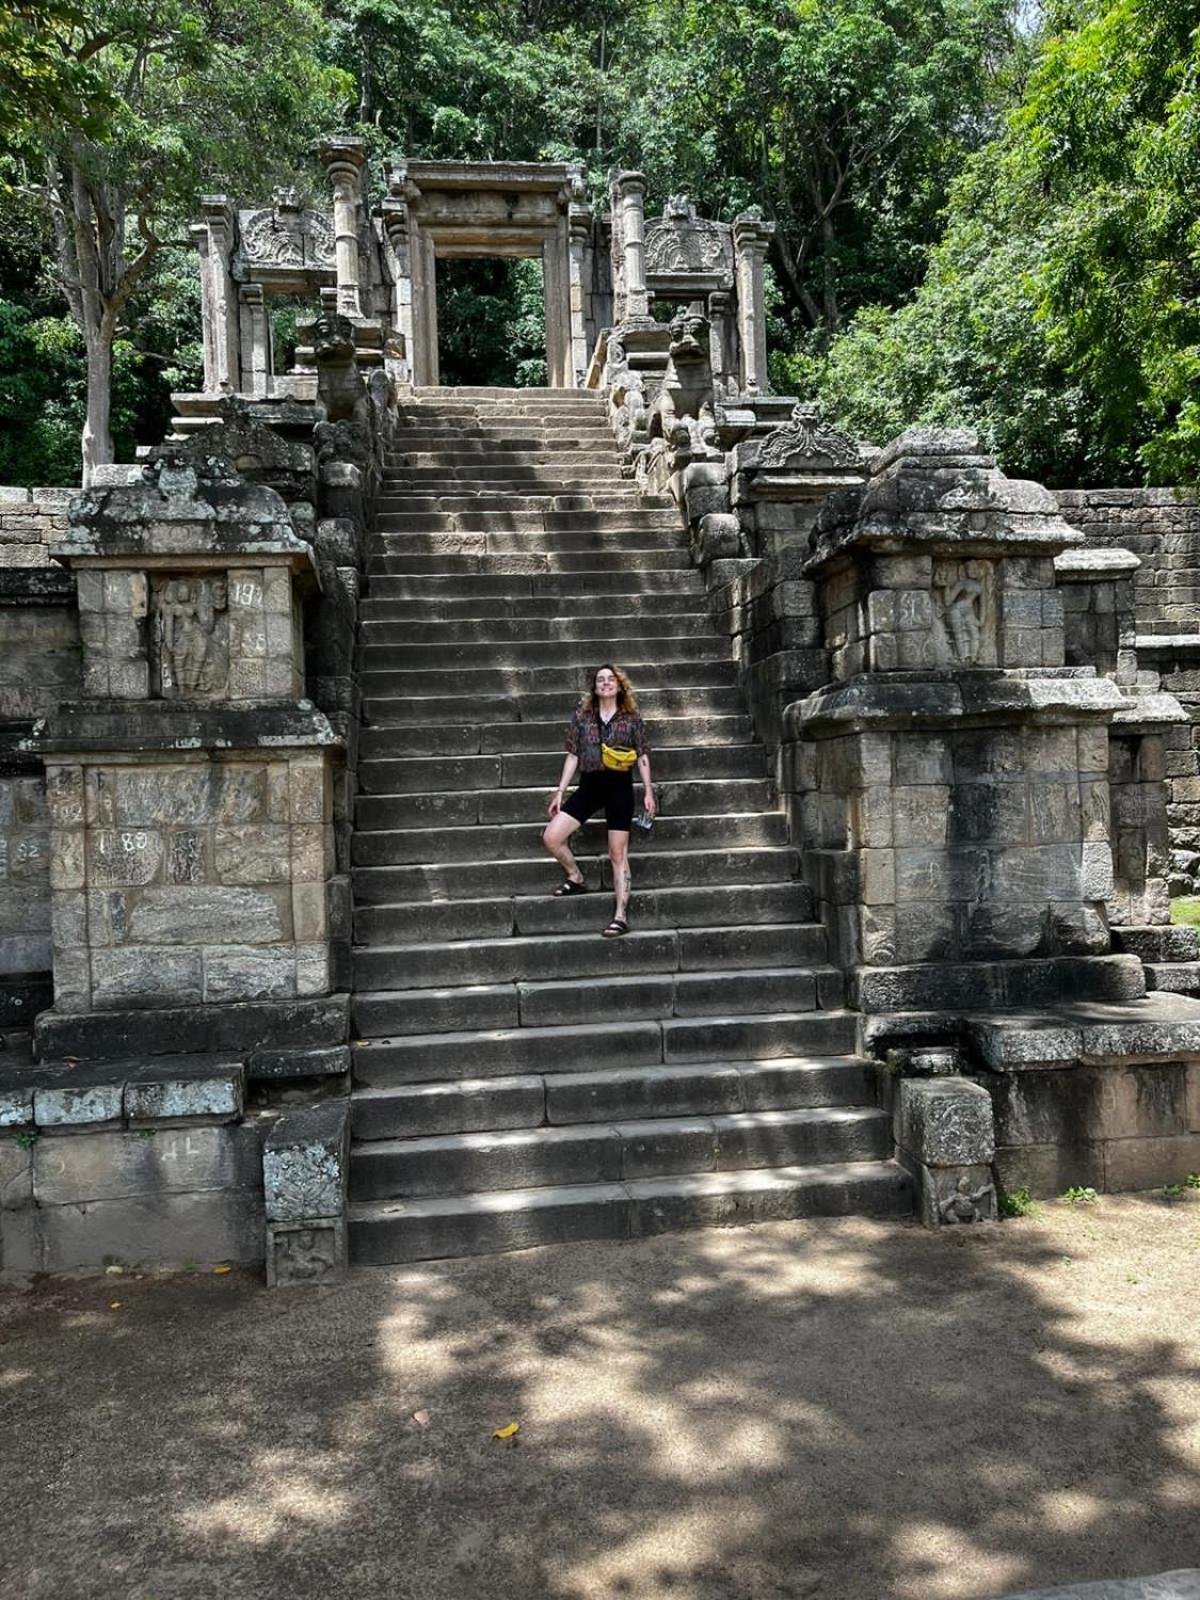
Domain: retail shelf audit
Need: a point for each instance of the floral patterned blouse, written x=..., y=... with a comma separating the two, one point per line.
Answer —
x=626, y=731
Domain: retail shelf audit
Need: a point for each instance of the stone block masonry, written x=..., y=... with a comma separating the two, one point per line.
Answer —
x=31, y=522
x=190, y=878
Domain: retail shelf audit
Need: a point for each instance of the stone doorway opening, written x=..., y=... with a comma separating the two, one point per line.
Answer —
x=492, y=322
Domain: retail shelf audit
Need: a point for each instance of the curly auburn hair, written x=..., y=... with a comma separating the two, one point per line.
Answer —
x=626, y=698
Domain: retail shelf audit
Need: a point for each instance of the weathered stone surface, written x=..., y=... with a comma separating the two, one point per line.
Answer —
x=145, y=1164
x=1183, y=1584
x=66, y=1106
x=314, y=1252
x=945, y=1122
x=304, y=1163
x=215, y=1092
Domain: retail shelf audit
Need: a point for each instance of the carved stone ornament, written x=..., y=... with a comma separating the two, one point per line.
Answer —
x=190, y=635
x=680, y=241
x=966, y=1204
x=806, y=441
x=964, y=614
x=307, y=1254
x=282, y=236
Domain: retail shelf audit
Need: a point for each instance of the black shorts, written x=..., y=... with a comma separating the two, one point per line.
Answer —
x=610, y=792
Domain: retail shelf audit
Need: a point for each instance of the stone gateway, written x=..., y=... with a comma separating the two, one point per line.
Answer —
x=282, y=977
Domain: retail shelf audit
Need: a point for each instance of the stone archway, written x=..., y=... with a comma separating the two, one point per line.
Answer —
x=439, y=210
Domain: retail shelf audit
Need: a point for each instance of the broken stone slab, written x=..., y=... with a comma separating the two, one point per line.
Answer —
x=305, y=1177
x=1160, y=1025
x=1183, y=1584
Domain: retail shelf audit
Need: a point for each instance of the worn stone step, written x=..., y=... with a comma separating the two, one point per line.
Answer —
x=570, y=678
x=1173, y=977
x=513, y=959
x=545, y=522
x=573, y=587
x=522, y=706
x=595, y=1152
x=483, y=1105
x=683, y=742
x=592, y=439
x=530, y=563
x=491, y=917
x=679, y=869
x=438, y=774
x=499, y=632
x=622, y=609
x=465, y=806
x=421, y=1230
x=522, y=841
x=564, y=455
x=585, y=477
x=519, y=541
x=422, y=501
x=399, y=711
x=377, y=651
x=638, y=995
x=600, y=1046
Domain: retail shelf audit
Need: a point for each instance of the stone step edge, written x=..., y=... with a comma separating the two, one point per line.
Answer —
x=808, y=969
x=588, y=1030
x=639, y=1202
x=379, y=907
x=512, y=829
x=624, y=1127
x=504, y=861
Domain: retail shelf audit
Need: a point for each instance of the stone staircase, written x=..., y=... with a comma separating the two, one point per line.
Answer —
x=517, y=1078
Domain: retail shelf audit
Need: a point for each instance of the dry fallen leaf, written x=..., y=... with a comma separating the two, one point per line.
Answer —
x=113, y=1272
x=421, y=1418
x=507, y=1432
x=219, y=1270
x=114, y=1305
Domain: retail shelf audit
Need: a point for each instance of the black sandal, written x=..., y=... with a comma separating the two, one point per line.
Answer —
x=616, y=928
x=570, y=887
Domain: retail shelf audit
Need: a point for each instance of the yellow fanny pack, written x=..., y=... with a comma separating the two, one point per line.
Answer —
x=617, y=760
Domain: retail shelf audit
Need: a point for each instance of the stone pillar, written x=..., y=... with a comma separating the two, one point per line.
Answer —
x=190, y=791
x=751, y=236
x=556, y=294
x=629, y=191
x=579, y=224
x=396, y=232
x=257, y=357
x=343, y=160
x=214, y=237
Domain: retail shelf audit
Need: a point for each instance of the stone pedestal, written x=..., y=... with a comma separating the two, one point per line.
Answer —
x=190, y=790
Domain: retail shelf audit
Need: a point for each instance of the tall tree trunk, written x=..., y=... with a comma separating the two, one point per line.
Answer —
x=97, y=441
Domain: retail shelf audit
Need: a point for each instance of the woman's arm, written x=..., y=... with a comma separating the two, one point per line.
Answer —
x=650, y=805
x=570, y=763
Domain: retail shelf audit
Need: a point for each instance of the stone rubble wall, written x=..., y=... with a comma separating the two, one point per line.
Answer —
x=31, y=520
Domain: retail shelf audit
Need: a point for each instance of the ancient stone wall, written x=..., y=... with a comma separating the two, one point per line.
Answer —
x=1162, y=528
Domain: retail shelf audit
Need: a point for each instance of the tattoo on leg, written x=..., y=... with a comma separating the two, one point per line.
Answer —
x=621, y=887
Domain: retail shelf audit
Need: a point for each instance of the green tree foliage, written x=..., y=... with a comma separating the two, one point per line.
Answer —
x=1060, y=312
x=198, y=95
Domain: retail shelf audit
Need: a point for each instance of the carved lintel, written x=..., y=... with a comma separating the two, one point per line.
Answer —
x=807, y=440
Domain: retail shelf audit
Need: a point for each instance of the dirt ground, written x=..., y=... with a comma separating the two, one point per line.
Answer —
x=842, y=1410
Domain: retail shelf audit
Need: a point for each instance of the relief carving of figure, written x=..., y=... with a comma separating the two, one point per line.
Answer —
x=962, y=613
x=191, y=652
x=967, y=1204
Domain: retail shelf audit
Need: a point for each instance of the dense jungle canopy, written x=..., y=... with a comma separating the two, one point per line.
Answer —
x=986, y=215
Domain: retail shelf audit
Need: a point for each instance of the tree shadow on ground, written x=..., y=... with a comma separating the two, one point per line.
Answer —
x=851, y=1411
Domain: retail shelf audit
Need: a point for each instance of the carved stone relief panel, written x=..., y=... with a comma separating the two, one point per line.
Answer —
x=189, y=635
x=680, y=241
x=808, y=441
x=964, y=613
x=285, y=236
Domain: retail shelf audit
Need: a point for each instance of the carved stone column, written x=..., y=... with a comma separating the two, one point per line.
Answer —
x=343, y=160
x=751, y=236
x=257, y=359
x=579, y=222
x=396, y=232
x=214, y=237
x=629, y=190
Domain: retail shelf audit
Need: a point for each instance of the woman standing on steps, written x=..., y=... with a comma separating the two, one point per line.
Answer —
x=605, y=740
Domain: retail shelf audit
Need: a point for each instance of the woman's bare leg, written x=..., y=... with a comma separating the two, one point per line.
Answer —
x=618, y=854
x=555, y=837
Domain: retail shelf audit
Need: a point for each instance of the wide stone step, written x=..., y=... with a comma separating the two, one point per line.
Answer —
x=530, y=562
x=619, y=1046
x=463, y=808
x=564, y=455
x=634, y=543
x=683, y=740
x=570, y=589
x=589, y=435
x=623, y=610
x=463, y=880
x=583, y=955
x=401, y=651
x=497, y=917
x=399, y=711
x=619, y=497
x=518, y=1219
x=564, y=1002
x=558, y=678
x=594, y=1152
x=685, y=628
x=547, y=522
x=585, y=477
x=711, y=1088
x=522, y=841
